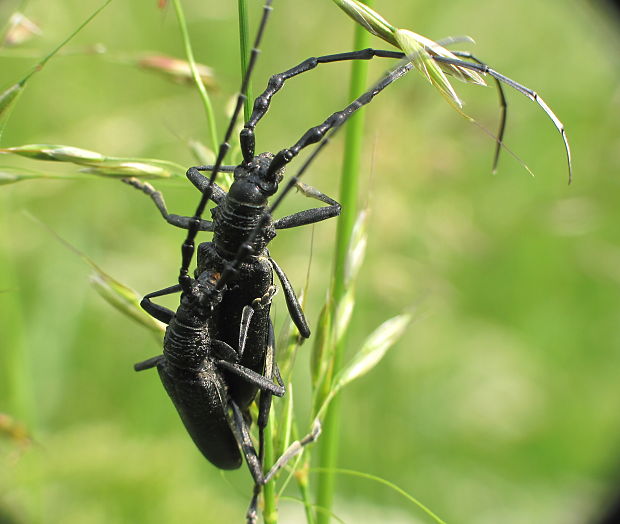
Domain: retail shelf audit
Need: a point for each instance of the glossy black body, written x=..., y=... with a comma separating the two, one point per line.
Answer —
x=195, y=369
x=235, y=218
x=254, y=278
x=196, y=386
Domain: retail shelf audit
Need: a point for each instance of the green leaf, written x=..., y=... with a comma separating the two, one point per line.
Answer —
x=419, y=49
x=319, y=358
x=357, y=248
x=344, y=312
x=98, y=164
x=285, y=422
x=373, y=350
x=14, y=430
x=9, y=97
x=20, y=30
x=423, y=62
x=180, y=71
x=387, y=483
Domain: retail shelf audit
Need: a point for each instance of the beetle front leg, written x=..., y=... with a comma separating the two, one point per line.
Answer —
x=161, y=313
x=202, y=182
x=158, y=198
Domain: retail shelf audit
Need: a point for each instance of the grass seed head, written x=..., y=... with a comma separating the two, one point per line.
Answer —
x=177, y=70
x=56, y=153
x=20, y=30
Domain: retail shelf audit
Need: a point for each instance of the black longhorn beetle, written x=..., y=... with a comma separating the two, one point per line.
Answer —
x=219, y=344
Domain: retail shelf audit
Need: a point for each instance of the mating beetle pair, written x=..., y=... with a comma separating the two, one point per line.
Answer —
x=219, y=345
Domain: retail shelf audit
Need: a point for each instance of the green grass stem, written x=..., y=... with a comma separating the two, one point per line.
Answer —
x=47, y=57
x=204, y=96
x=270, y=510
x=244, y=52
x=328, y=444
x=304, y=490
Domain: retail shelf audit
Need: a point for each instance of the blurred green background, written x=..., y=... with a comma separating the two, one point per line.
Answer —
x=502, y=402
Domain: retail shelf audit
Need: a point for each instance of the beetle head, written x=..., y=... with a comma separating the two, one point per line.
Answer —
x=255, y=182
x=202, y=294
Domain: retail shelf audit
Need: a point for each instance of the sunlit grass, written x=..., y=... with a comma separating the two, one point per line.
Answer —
x=493, y=409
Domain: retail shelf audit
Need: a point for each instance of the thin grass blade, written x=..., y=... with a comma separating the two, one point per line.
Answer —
x=189, y=53
x=390, y=485
x=117, y=294
x=11, y=175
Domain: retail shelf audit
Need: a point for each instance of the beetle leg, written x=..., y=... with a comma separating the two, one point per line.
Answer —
x=202, y=182
x=248, y=312
x=252, y=377
x=161, y=313
x=224, y=351
x=148, y=363
x=310, y=216
x=158, y=199
x=292, y=302
x=264, y=400
x=241, y=432
x=293, y=450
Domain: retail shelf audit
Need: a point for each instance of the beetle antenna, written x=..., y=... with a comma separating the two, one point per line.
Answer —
x=322, y=134
x=187, y=249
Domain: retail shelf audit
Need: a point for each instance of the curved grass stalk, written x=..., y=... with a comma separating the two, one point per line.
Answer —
x=244, y=53
x=9, y=97
x=390, y=485
x=189, y=53
x=317, y=509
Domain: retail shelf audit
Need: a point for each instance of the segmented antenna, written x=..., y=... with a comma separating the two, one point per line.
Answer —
x=187, y=249
x=323, y=133
x=328, y=129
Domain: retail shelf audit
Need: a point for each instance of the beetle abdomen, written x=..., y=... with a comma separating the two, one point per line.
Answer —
x=200, y=398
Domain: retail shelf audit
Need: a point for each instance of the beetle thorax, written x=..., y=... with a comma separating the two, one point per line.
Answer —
x=238, y=217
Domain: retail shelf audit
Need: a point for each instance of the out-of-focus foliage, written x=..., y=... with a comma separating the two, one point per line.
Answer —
x=500, y=404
